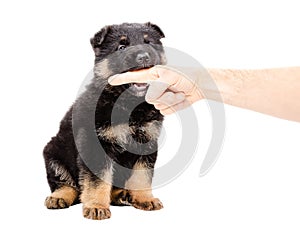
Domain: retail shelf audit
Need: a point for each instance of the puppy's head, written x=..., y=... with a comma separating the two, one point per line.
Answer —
x=127, y=47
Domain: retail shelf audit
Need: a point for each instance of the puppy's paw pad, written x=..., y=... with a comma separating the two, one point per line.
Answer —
x=96, y=213
x=55, y=203
x=150, y=204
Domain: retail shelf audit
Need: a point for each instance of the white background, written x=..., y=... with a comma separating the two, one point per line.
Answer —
x=45, y=54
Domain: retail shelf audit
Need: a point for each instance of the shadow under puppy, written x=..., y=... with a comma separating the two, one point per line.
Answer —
x=106, y=147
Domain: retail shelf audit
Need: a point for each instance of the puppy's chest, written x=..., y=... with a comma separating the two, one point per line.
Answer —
x=124, y=134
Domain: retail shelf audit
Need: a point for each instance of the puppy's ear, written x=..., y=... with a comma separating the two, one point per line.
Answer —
x=156, y=28
x=98, y=38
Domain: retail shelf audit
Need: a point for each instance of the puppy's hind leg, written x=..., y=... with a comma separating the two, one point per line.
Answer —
x=119, y=197
x=61, y=178
x=61, y=198
x=64, y=191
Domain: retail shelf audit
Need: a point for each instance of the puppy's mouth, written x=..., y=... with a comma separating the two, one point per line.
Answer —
x=139, y=88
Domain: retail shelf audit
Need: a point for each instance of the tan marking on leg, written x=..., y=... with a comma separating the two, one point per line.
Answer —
x=96, y=197
x=140, y=191
x=61, y=198
x=119, y=196
x=140, y=178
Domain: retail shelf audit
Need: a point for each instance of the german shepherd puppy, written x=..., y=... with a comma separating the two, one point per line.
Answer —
x=106, y=147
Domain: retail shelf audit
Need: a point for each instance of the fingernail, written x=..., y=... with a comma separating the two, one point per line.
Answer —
x=110, y=79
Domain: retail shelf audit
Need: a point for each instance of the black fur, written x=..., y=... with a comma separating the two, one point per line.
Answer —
x=68, y=163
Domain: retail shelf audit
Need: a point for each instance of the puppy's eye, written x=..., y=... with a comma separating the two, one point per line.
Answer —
x=121, y=47
x=146, y=41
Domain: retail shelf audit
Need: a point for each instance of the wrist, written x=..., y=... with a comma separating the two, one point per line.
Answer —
x=223, y=85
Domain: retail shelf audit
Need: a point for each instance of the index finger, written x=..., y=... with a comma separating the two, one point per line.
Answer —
x=141, y=76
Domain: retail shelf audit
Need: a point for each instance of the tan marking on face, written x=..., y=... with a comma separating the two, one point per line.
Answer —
x=68, y=194
x=123, y=37
x=146, y=36
x=97, y=195
x=163, y=58
x=101, y=69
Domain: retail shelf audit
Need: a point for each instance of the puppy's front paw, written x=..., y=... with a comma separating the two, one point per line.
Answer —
x=96, y=213
x=55, y=203
x=147, y=204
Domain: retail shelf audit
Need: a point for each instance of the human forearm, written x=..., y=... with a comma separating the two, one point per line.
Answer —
x=271, y=91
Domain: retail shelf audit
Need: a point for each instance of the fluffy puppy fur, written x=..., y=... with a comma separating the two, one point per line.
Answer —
x=117, y=168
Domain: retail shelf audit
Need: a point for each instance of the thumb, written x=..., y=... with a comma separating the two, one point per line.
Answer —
x=155, y=90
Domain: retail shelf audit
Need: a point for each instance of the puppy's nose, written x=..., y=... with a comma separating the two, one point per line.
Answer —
x=143, y=58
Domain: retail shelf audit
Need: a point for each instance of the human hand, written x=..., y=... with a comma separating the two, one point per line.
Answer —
x=170, y=89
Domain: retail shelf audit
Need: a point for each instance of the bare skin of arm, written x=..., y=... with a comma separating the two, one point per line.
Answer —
x=275, y=92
